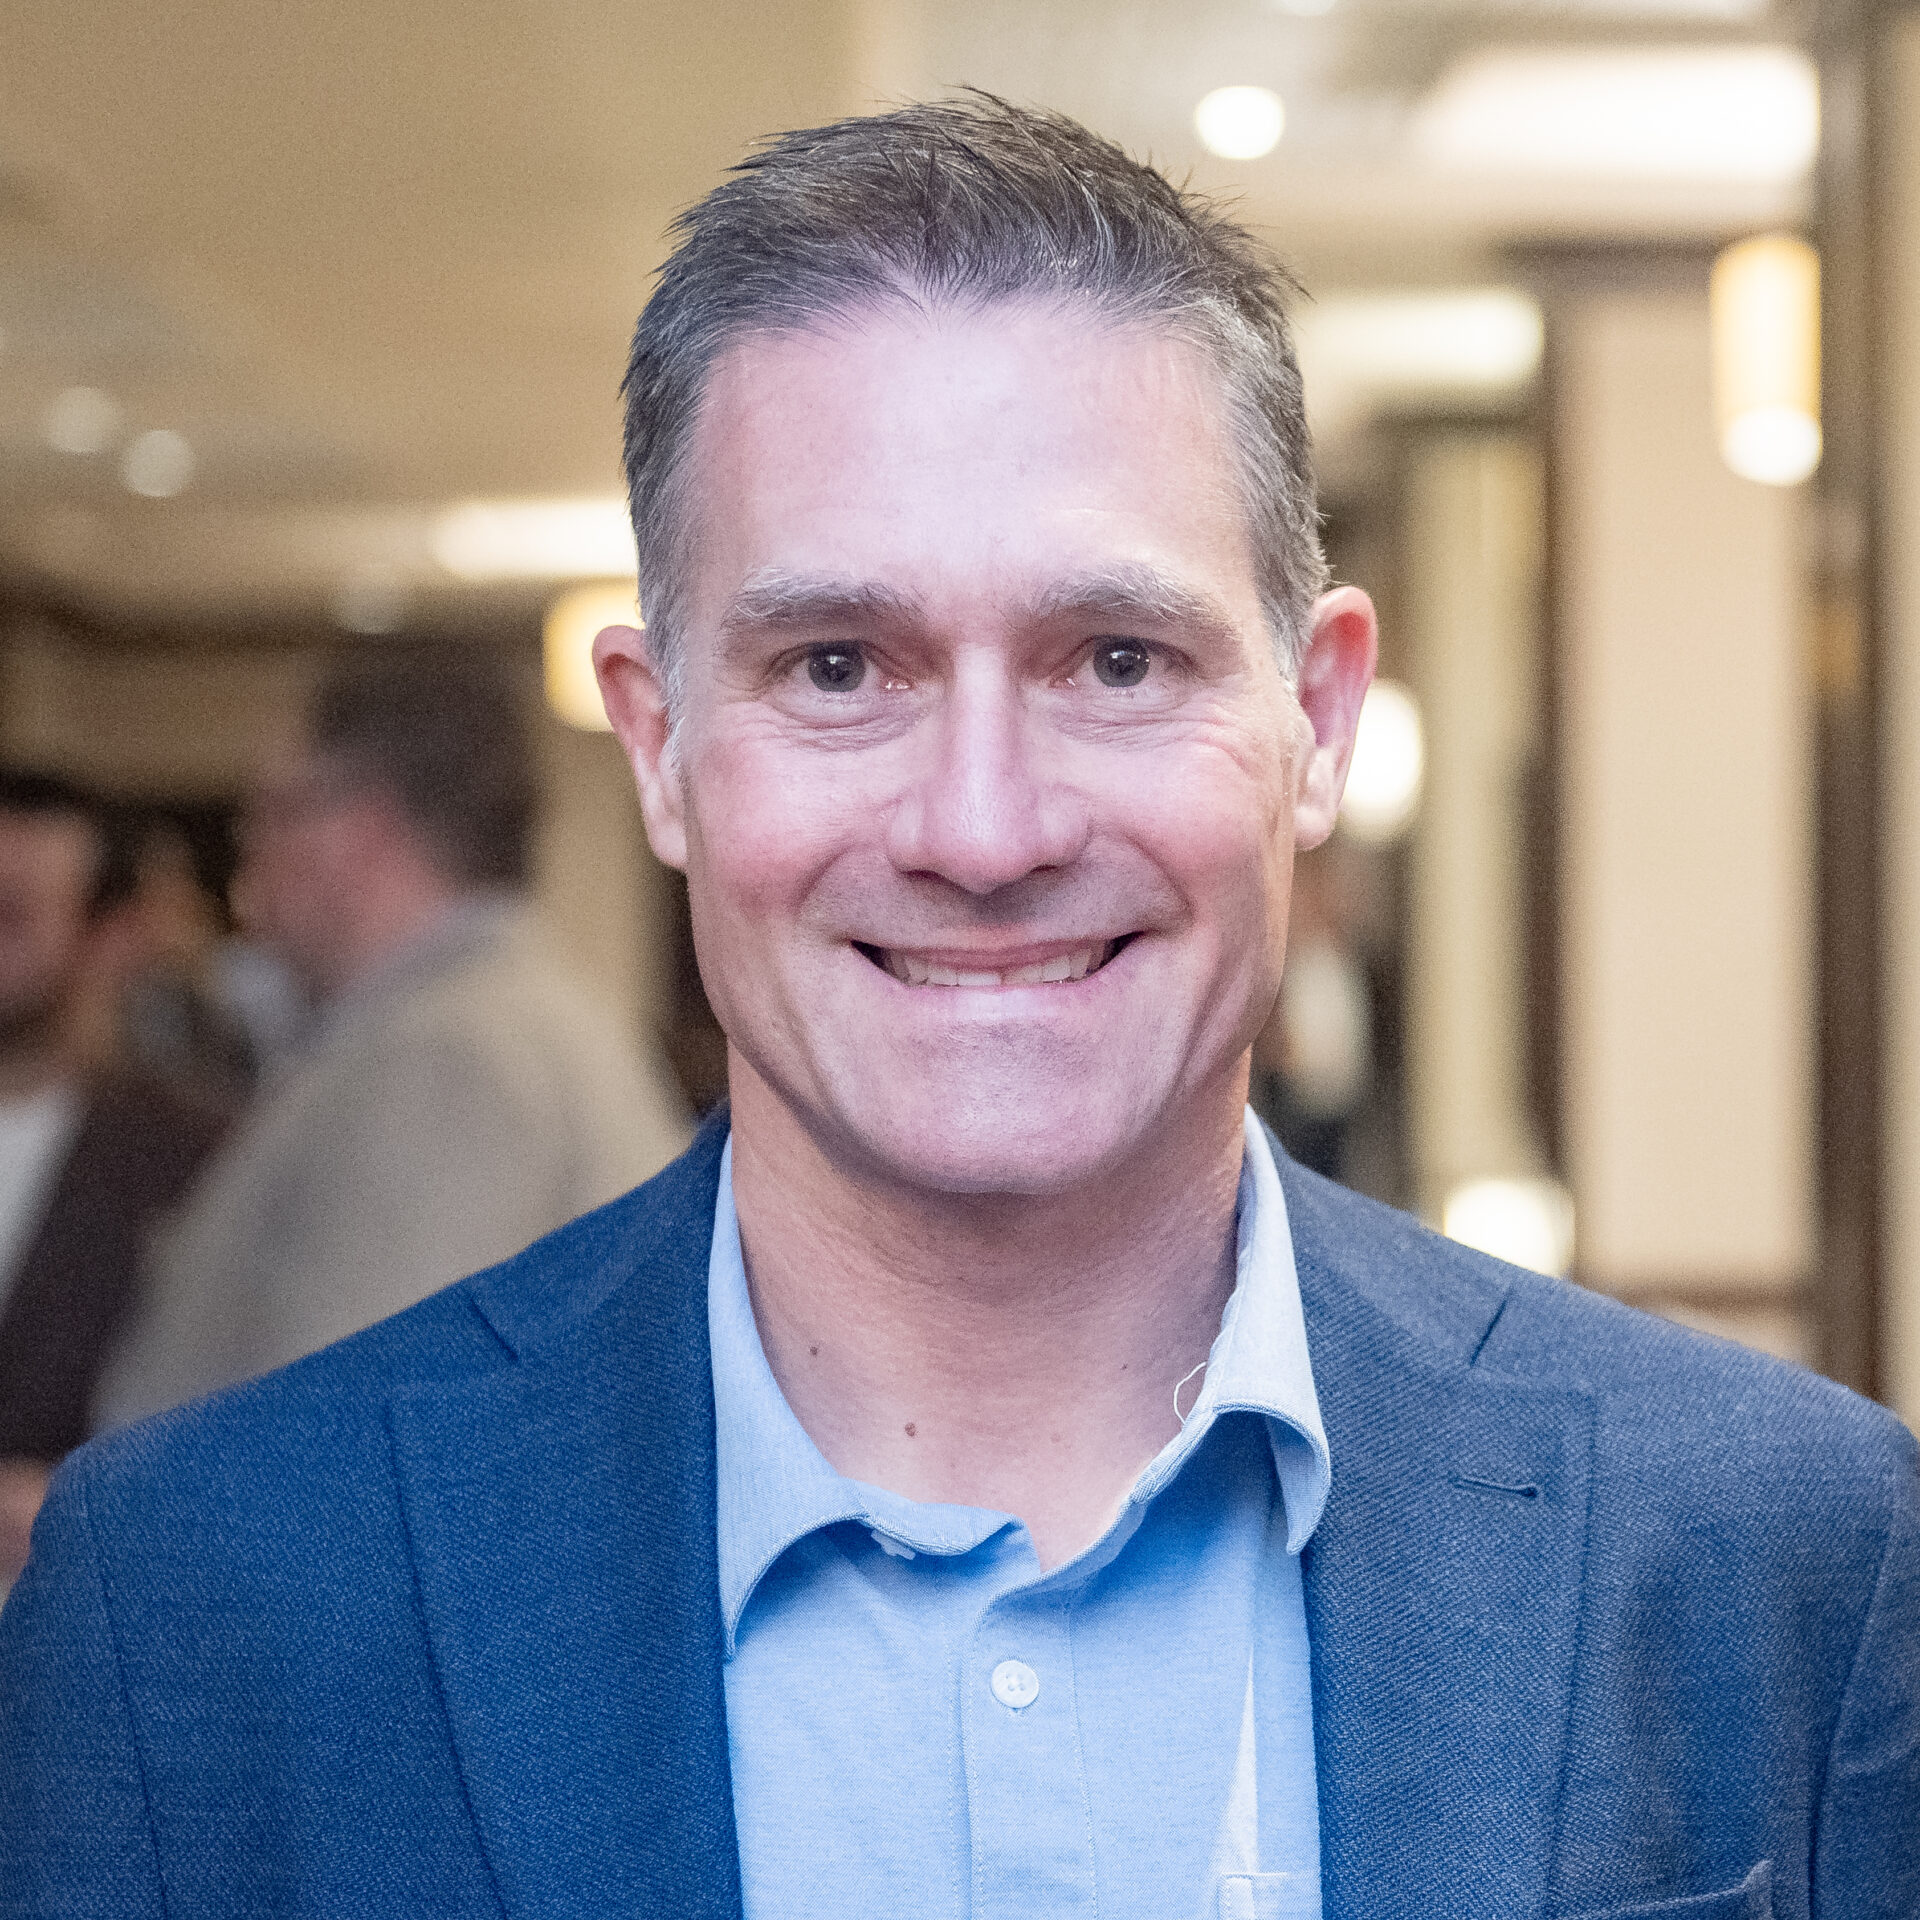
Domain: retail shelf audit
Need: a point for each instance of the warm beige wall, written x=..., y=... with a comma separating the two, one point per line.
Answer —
x=186, y=724
x=1471, y=542
x=1898, y=247
x=1687, y=910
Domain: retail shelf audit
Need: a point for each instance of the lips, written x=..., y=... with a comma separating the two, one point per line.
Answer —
x=944, y=970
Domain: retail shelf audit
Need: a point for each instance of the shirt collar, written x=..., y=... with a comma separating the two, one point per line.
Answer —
x=1259, y=1361
x=776, y=1487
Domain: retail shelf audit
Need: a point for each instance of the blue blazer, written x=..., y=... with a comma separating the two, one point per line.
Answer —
x=1604, y=1615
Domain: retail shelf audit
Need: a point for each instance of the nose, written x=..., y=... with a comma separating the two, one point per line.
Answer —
x=988, y=803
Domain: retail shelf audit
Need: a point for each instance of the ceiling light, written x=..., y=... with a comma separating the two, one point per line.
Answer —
x=80, y=420
x=1527, y=1221
x=573, y=623
x=1729, y=113
x=157, y=463
x=579, y=539
x=1389, y=761
x=1240, y=123
x=1720, y=12
x=1766, y=358
x=1472, y=341
x=1303, y=9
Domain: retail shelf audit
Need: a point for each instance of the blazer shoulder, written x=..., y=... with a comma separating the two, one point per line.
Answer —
x=1689, y=1398
x=1688, y=1389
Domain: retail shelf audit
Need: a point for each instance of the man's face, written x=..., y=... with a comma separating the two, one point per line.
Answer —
x=987, y=782
x=47, y=865
x=302, y=857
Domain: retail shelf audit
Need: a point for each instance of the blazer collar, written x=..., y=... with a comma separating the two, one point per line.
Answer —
x=1443, y=1584
x=560, y=1514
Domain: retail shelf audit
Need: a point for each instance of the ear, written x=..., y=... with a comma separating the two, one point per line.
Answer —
x=1334, y=677
x=637, y=705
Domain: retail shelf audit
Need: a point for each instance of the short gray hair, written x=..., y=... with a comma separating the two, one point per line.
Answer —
x=967, y=202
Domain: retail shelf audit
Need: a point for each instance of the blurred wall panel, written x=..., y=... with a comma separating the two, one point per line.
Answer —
x=1471, y=613
x=1898, y=189
x=1685, y=886
x=160, y=721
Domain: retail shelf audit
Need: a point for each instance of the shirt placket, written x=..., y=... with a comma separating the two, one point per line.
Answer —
x=1029, y=1823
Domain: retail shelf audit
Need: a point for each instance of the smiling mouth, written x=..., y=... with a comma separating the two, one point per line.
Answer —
x=925, y=970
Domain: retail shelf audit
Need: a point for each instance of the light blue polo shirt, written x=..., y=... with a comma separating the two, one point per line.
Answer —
x=924, y=1724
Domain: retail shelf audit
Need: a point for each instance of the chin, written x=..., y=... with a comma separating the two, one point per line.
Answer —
x=1031, y=1141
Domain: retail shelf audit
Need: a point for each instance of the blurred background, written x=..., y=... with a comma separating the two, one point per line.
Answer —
x=311, y=320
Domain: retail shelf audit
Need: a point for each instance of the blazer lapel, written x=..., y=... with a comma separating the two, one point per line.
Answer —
x=561, y=1518
x=1442, y=1591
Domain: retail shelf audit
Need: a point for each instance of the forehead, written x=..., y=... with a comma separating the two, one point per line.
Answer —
x=1008, y=444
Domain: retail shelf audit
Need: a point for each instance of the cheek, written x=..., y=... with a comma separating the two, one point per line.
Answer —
x=1219, y=823
x=760, y=832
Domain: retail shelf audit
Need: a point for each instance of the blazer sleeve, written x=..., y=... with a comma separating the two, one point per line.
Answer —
x=76, y=1840
x=1867, y=1843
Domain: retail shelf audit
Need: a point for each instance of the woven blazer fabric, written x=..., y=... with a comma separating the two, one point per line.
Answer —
x=1604, y=1615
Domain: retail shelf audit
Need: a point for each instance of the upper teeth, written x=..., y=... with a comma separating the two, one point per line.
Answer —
x=933, y=973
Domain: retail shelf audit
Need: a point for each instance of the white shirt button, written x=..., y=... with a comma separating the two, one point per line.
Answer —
x=1015, y=1684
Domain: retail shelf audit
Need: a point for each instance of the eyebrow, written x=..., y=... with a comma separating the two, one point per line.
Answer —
x=783, y=601
x=774, y=600
x=1130, y=592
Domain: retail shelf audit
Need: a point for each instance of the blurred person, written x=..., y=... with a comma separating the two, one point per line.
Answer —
x=90, y=1154
x=462, y=1093
x=156, y=993
x=984, y=1477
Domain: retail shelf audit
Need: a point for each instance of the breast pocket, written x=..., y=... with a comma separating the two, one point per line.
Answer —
x=1269, y=1896
x=1752, y=1899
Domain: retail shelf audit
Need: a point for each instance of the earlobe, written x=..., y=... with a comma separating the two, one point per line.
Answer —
x=1335, y=672
x=636, y=703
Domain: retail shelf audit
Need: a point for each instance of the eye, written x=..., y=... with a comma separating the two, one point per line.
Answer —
x=1121, y=663
x=836, y=669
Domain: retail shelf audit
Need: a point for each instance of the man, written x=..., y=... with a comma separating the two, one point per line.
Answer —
x=462, y=1095
x=982, y=1478
x=88, y=1158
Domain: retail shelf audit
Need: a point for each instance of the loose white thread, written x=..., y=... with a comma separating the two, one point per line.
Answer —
x=1183, y=1418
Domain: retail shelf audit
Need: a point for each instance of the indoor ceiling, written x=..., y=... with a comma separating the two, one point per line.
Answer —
x=370, y=260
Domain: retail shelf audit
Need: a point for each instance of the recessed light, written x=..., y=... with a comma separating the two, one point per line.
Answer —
x=157, y=463
x=1240, y=123
x=573, y=623
x=1733, y=113
x=1389, y=761
x=578, y=539
x=80, y=420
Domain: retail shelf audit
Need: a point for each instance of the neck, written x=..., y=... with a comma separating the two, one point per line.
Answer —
x=1013, y=1352
x=387, y=920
